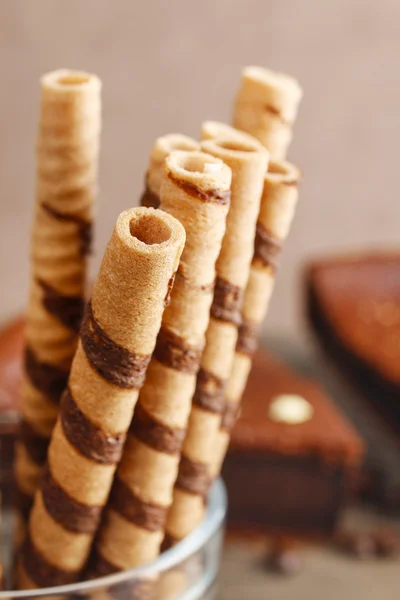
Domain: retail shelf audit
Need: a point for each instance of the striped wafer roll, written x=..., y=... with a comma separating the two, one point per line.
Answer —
x=266, y=106
x=66, y=186
x=277, y=208
x=117, y=338
x=163, y=146
x=195, y=190
x=248, y=162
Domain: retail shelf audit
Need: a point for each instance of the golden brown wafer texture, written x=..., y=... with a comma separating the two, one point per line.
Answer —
x=163, y=146
x=248, y=162
x=266, y=107
x=195, y=190
x=277, y=208
x=66, y=186
x=117, y=338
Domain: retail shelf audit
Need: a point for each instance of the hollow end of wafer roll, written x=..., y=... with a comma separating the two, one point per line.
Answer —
x=215, y=129
x=166, y=144
x=147, y=230
x=282, y=171
x=272, y=84
x=227, y=147
x=201, y=170
x=162, y=147
x=65, y=81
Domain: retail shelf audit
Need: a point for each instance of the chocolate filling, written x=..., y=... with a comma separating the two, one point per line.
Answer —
x=149, y=199
x=116, y=364
x=230, y=415
x=227, y=302
x=65, y=510
x=84, y=227
x=210, y=391
x=48, y=379
x=35, y=444
x=171, y=282
x=157, y=435
x=172, y=351
x=247, y=342
x=41, y=571
x=266, y=247
x=86, y=437
x=67, y=309
x=146, y=515
x=193, y=477
x=99, y=566
x=215, y=196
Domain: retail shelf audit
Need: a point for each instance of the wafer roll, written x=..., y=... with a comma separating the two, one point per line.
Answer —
x=277, y=208
x=248, y=162
x=66, y=182
x=163, y=146
x=195, y=190
x=117, y=338
x=211, y=130
x=266, y=107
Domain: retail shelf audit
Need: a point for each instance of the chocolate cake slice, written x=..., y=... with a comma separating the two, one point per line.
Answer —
x=353, y=306
x=11, y=351
x=293, y=456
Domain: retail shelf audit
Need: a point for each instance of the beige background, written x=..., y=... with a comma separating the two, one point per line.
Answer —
x=167, y=65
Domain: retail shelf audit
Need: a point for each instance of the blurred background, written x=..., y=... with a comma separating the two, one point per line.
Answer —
x=168, y=65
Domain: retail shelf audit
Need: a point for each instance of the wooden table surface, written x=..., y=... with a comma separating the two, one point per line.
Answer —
x=326, y=574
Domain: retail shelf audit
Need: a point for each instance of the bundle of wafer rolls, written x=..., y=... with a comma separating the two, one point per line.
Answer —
x=129, y=399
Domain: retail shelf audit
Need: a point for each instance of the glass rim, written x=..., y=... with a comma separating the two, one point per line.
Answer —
x=214, y=517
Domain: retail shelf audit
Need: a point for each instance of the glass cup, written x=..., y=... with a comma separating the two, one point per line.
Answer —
x=188, y=571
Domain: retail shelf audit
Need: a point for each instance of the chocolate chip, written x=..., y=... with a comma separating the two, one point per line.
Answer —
x=387, y=543
x=359, y=544
x=283, y=559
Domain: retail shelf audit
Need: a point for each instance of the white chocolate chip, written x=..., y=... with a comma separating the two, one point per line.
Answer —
x=291, y=409
x=212, y=167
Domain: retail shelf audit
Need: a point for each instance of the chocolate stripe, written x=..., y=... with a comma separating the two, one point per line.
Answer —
x=48, y=379
x=23, y=501
x=215, y=196
x=168, y=541
x=149, y=199
x=86, y=437
x=67, y=309
x=193, y=477
x=173, y=352
x=227, y=302
x=157, y=435
x=247, y=342
x=209, y=393
x=274, y=111
x=35, y=444
x=42, y=573
x=146, y=515
x=266, y=247
x=137, y=589
x=230, y=416
x=99, y=566
x=65, y=510
x=84, y=227
x=116, y=364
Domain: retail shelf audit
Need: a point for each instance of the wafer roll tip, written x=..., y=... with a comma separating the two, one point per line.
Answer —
x=148, y=230
x=268, y=79
x=70, y=80
x=203, y=171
